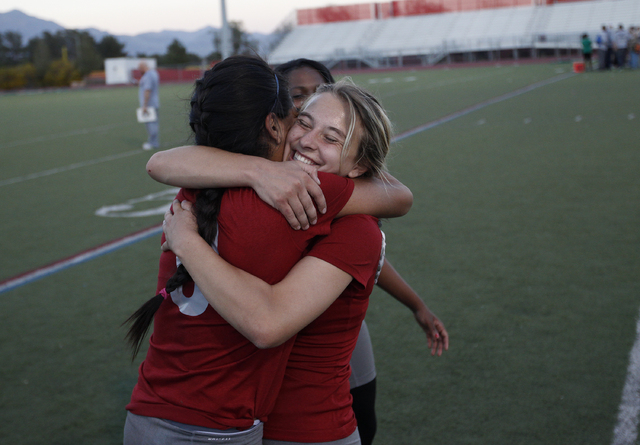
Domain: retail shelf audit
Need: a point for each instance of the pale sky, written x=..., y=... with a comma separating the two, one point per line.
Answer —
x=130, y=17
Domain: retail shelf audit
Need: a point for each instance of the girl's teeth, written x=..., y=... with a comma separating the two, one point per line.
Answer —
x=299, y=157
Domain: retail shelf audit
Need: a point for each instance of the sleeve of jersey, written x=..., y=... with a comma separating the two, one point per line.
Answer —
x=337, y=191
x=353, y=246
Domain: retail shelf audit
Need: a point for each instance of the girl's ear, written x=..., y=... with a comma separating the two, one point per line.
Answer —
x=357, y=170
x=273, y=126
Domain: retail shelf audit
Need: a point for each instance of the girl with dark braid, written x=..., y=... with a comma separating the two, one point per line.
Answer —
x=202, y=380
x=322, y=301
x=304, y=77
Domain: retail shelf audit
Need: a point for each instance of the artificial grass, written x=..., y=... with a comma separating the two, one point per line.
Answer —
x=522, y=238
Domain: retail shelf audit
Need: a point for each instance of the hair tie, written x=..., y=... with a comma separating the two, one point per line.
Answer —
x=164, y=293
x=277, y=92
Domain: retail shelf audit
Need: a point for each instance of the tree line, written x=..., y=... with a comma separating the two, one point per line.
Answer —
x=55, y=60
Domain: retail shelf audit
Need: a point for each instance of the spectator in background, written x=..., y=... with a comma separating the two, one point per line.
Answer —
x=621, y=43
x=149, y=98
x=634, y=47
x=587, y=50
x=605, y=48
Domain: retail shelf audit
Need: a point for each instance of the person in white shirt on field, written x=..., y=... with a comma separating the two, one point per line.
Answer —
x=149, y=98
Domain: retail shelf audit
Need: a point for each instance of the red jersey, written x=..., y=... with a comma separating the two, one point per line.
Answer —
x=199, y=370
x=314, y=404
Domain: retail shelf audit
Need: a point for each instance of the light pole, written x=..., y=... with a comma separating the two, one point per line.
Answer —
x=226, y=40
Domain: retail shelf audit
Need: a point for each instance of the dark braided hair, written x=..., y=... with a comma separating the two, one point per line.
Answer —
x=229, y=106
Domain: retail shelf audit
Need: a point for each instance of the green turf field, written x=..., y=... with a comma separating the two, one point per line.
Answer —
x=523, y=238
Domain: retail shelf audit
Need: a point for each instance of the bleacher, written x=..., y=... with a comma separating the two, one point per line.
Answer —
x=432, y=37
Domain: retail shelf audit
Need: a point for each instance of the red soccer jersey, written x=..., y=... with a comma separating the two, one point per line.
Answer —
x=199, y=370
x=314, y=404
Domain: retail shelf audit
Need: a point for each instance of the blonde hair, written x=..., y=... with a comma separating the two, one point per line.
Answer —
x=366, y=113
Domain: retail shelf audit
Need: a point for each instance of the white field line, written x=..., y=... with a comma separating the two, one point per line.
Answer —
x=626, y=430
x=51, y=137
x=53, y=171
x=441, y=83
x=471, y=109
x=39, y=273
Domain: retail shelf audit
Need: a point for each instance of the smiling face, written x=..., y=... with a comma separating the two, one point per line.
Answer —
x=318, y=136
x=303, y=82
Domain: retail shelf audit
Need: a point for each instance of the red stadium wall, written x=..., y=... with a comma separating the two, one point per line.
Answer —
x=402, y=8
x=420, y=7
x=334, y=14
x=173, y=75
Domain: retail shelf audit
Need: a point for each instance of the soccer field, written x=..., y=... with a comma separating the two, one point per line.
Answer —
x=523, y=238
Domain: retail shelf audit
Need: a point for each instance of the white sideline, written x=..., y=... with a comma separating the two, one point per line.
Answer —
x=50, y=137
x=626, y=430
x=397, y=138
x=479, y=106
x=85, y=256
x=53, y=171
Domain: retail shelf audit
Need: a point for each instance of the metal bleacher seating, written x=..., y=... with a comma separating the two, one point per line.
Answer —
x=432, y=36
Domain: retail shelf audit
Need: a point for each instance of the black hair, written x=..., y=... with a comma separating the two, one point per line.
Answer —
x=292, y=65
x=229, y=106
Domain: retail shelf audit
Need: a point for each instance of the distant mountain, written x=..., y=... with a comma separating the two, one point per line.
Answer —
x=198, y=42
x=26, y=25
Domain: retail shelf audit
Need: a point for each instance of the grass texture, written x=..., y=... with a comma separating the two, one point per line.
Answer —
x=523, y=238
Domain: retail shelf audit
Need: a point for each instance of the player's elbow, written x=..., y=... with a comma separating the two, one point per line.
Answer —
x=155, y=167
x=266, y=335
x=403, y=200
x=406, y=201
x=266, y=342
x=152, y=166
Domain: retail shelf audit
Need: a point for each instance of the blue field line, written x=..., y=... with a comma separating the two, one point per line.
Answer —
x=82, y=257
x=471, y=109
x=29, y=277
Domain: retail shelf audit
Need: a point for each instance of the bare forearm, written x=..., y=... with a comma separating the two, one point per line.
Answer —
x=242, y=299
x=266, y=314
x=203, y=167
x=391, y=282
x=380, y=197
x=437, y=335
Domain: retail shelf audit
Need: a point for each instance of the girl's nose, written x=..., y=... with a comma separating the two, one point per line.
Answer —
x=309, y=140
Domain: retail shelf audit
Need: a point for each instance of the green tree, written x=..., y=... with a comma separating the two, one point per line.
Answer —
x=110, y=47
x=60, y=73
x=85, y=54
x=39, y=55
x=241, y=42
x=15, y=77
x=177, y=55
x=11, y=50
x=80, y=47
